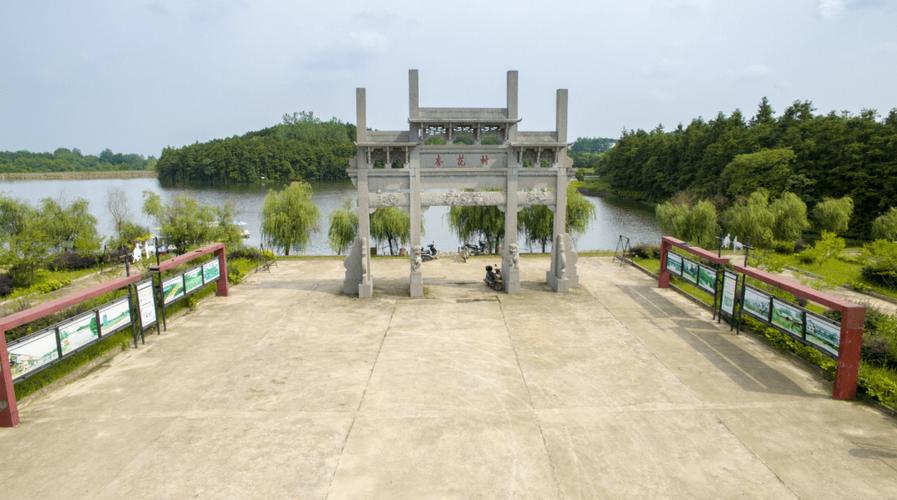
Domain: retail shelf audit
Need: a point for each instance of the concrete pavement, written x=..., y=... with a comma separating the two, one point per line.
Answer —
x=289, y=389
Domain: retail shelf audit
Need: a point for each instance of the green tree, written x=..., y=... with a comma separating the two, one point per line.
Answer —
x=790, y=214
x=833, y=214
x=827, y=247
x=696, y=225
x=343, y=228
x=479, y=223
x=884, y=227
x=186, y=223
x=289, y=216
x=392, y=225
x=751, y=220
x=23, y=241
x=70, y=227
x=537, y=222
x=769, y=169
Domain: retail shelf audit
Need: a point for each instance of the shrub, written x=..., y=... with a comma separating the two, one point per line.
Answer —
x=51, y=285
x=885, y=226
x=71, y=261
x=5, y=284
x=881, y=263
x=435, y=140
x=544, y=163
x=580, y=174
x=830, y=245
x=645, y=251
x=250, y=253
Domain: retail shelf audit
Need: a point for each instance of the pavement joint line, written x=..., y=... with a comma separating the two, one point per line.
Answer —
x=529, y=396
x=361, y=400
x=755, y=455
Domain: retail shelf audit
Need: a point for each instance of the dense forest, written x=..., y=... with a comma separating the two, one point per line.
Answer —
x=71, y=160
x=587, y=151
x=301, y=147
x=724, y=159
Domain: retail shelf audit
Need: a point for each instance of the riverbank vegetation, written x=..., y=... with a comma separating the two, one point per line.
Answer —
x=814, y=156
x=301, y=147
x=72, y=160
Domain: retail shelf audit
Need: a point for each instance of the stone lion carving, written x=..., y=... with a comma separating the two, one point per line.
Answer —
x=416, y=261
x=514, y=255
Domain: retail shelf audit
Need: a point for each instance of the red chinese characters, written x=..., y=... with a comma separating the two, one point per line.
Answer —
x=461, y=161
x=484, y=160
x=438, y=162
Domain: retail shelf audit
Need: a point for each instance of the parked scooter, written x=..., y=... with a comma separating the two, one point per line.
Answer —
x=429, y=252
x=493, y=278
x=467, y=249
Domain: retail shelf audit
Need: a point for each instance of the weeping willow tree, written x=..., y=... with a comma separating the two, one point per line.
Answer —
x=479, y=223
x=537, y=222
x=343, y=228
x=289, y=217
x=392, y=225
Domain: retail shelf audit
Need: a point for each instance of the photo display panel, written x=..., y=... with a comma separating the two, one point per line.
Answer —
x=756, y=303
x=33, y=353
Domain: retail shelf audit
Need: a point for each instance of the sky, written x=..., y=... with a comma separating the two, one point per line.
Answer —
x=140, y=75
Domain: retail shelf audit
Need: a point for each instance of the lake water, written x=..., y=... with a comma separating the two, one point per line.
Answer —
x=611, y=218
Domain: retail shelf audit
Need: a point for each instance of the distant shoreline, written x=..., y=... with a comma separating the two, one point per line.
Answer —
x=110, y=174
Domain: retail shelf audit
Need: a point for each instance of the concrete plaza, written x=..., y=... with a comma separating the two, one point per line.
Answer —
x=289, y=389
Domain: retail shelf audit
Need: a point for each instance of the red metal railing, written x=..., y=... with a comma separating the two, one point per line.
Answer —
x=9, y=415
x=852, y=315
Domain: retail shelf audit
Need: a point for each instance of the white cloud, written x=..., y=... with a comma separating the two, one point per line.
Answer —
x=368, y=41
x=756, y=71
x=830, y=9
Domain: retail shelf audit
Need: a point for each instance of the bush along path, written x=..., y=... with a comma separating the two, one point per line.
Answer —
x=12, y=305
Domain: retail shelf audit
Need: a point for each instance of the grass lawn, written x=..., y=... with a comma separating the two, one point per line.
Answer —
x=47, y=281
x=834, y=272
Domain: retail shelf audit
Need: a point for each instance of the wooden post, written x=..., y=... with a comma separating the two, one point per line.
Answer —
x=9, y=412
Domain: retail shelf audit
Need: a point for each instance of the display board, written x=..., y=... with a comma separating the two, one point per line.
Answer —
x=707, y=279
x=823, y=333
x=146, y=304
x=78, y=332
x=788, y=318
x=756, y=303
x=193, y=279
x=32, y=353
x=690, y=270
x=211, y=271
x=172, y=289
x=674, y=263
x=115, y=316
x=730, y=285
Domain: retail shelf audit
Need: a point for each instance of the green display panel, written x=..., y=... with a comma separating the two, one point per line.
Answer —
x=211, y=271
x=32, y=353
x=756, y=303
x=193, y=279
x=78, y=332
x=823, y=333
x=674, y=263
x=172, y=289
x=707, y=279
x=115, y=316
x=690, y=270
x=788, y=318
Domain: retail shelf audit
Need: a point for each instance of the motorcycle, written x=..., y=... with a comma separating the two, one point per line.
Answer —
x=429, y=252
x=467, y=250
x=493, y=278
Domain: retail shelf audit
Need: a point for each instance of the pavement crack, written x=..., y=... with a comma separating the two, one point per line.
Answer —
x=755, y=455
x=361, y=400
x=529, y=397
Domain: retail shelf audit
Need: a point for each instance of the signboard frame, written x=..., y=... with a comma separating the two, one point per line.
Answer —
x=729, y=277
x=212, y=264
x=768, y=301
x=141, y=287
x=78, y=318
x=30, y=339
x=781, y=305
x=714, y=272
x=110, y=305
x=827, y=348
x=674, y=263
x=199, y=273
x=690, y=264
x=180, y=295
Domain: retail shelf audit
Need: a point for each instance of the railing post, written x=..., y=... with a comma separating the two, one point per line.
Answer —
x=221, y=289
x=849, y=352
x=663, y=277
x=9, y=411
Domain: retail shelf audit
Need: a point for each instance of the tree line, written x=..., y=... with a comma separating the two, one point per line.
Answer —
x=72, y=160
x=289, y=216
x=301, y=147
x=811, y=155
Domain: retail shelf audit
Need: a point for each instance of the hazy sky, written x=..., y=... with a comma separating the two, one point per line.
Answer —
x=137, y=75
